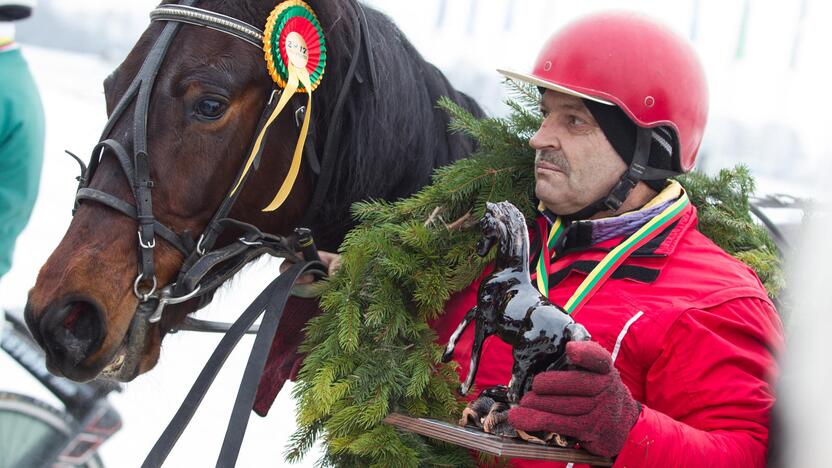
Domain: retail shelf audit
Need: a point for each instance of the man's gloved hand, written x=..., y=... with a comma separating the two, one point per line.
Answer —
x=590, y=403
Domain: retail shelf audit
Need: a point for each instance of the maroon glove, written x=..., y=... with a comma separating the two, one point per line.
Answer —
x=284, y=361
x=591, y=403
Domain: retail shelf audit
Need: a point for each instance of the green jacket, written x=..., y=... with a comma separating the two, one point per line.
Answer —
x=21, y=150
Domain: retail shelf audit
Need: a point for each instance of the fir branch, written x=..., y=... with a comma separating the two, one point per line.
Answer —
x=522, y=94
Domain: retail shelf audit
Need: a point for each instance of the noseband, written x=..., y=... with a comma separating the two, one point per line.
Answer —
x=204, y=269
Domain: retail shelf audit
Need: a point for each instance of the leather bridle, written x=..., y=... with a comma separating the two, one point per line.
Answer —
x=203, y=269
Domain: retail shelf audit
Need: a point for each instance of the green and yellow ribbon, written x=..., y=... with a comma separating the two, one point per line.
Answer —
x=607, y=266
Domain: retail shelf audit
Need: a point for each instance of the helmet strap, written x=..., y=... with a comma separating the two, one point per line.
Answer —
x=636, y=172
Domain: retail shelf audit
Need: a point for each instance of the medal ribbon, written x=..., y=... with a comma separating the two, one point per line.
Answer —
x=546, y=253
x=607, y=266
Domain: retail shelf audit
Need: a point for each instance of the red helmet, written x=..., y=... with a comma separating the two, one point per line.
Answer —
x=625, y=59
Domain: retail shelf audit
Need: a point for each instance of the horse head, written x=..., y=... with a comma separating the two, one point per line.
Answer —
x=191, y=121
x=504, y=225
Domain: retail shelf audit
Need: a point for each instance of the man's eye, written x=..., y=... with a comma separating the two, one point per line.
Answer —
x=210, y=109
x=575, y=120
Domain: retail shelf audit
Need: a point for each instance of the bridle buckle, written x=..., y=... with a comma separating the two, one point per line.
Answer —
x=199, y=248
x=146, y=245
x=143, y=296
x=165, y=299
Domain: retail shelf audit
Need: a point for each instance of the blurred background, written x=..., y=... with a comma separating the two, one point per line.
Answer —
x=768, y=68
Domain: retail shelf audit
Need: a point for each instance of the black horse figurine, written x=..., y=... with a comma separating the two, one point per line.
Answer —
x=509, y=306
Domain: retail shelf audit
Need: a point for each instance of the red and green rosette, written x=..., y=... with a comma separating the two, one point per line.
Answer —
x=295, y=57
x=294, y=37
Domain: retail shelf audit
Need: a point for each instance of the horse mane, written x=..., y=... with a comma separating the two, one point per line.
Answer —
x=390, y=135
x=516, y=240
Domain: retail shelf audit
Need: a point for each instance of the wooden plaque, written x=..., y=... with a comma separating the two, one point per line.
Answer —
x=473, y=438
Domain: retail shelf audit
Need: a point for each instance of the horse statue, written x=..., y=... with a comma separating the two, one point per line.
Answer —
x=199, y=94
x=509, y=306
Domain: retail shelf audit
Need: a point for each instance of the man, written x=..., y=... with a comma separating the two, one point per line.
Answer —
x=21, y=133
x=682, y=360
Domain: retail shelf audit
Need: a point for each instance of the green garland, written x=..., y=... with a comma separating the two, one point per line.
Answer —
x=372, y=350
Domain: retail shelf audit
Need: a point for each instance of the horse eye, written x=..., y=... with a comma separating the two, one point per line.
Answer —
x=210, y=109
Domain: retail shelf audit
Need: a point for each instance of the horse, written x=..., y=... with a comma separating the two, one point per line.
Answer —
x=196, y=88
x=509, y=306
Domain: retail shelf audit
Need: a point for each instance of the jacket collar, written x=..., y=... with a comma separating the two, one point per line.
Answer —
x=579, y=234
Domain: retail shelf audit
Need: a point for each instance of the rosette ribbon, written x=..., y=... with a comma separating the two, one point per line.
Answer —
x=295, y=51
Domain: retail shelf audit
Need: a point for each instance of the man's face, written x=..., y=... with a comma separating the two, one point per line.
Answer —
x=575, y=165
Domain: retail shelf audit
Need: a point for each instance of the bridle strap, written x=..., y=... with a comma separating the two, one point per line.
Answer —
x=269, y=302
x=211, y=20
x=129, y=210
x=183, y=243
x=215, y=226
x=213, y=268
x=142, y=182
x=123, y=158
x=122, y=106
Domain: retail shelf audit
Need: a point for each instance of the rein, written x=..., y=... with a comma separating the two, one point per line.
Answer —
x=272, y=300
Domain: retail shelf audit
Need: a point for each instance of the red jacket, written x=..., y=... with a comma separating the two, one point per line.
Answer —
x=693, y=335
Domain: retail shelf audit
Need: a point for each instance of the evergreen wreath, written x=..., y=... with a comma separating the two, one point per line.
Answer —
x=372, y=352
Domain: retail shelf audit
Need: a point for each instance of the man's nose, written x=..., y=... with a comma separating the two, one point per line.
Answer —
x=544, y=138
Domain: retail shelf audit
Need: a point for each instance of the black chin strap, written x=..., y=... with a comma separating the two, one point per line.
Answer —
x=637, y=172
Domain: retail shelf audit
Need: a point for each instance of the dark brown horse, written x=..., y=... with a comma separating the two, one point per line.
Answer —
x=378, y=134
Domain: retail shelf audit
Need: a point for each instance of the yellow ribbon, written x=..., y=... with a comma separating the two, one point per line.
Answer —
x=297, y=75
x=294, y=169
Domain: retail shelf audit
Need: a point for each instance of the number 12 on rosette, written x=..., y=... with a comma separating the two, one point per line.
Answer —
x=295, y=51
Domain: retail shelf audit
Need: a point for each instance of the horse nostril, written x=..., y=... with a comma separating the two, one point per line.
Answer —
x=73, y=332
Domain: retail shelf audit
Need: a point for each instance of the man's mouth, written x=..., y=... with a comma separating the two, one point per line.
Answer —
x=547, y=166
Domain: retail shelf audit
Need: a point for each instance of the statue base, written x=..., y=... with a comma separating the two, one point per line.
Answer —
x=474, y=438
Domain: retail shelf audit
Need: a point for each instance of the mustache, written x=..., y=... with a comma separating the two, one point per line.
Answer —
x=555, y=158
